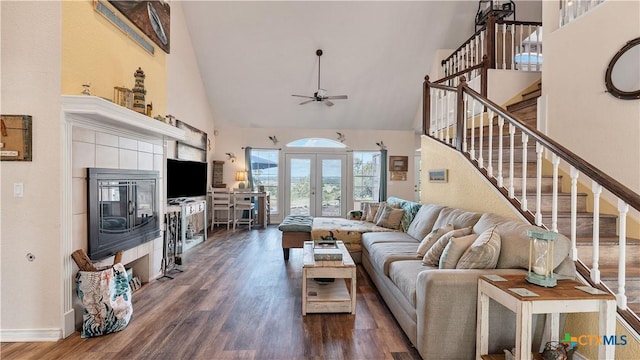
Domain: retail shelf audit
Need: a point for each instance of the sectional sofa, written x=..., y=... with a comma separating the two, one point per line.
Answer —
x=433, y=294
x=434, y=299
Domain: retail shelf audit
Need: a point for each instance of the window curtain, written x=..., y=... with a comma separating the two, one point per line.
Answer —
x=383, y=175
x=248, y=167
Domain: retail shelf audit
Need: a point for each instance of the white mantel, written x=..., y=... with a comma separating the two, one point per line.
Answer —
x=100, y=113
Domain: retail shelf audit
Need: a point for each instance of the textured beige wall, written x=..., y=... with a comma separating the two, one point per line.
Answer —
x=466, y=188
x=96, y=51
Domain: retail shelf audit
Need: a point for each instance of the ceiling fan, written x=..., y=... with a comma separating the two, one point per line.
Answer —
x=321, y=94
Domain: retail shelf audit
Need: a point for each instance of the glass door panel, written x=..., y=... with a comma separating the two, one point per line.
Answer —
x=331, y=184
x=315, y=184
x=299, y=186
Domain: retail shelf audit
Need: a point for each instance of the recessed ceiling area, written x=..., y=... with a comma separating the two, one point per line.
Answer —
x=254, y=55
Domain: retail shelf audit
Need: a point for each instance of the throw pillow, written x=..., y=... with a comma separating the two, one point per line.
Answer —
x=431, y=238
x=379, y=211
x=432, y=257
x=372, y=209
x=365, y=211
x=390, y=217
x=483, y=253
x=454, y=250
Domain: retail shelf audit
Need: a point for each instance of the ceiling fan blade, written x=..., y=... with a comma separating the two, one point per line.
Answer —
x=327, y=102
x=307, y=101
x=303, y=96
x=337, y=97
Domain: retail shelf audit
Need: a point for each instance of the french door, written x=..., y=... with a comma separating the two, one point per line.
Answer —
x=316, y=184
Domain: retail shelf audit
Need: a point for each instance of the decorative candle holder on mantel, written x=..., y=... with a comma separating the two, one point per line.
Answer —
x=541, y=258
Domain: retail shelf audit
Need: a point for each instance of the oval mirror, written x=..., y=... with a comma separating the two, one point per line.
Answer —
x=623, y=73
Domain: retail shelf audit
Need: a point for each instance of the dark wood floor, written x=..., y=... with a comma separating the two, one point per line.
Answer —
x=237, y=299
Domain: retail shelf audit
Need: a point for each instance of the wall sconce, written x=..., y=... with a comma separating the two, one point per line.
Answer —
x=381, y=145
x=273, y=139
x=242, y=177
x=340, y=136
x=231, y=156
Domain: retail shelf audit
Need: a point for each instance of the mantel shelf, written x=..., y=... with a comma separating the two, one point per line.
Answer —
x=104, y=112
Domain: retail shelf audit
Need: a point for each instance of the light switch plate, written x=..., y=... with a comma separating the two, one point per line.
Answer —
x=18, y=189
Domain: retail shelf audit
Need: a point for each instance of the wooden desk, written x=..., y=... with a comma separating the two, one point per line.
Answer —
x=563, y=298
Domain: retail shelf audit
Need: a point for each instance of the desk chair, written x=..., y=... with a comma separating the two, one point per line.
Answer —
x=222, y=207
x=242, y=205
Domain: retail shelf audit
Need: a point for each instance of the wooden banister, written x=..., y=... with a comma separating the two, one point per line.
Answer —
x=597, y=175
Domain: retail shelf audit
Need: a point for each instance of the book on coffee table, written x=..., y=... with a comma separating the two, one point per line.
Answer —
x=327, y=254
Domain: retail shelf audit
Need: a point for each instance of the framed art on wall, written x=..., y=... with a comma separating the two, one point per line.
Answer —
x=398, y=163
x=151, y=17
x=16, y=139
x=439, y=175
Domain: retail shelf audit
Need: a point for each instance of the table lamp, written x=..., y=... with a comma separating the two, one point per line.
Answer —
x=242, y=177
x=541, y=258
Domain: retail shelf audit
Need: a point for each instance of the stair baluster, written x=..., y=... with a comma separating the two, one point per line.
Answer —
x=595, y=271
x=555, y=160
x=621, y=297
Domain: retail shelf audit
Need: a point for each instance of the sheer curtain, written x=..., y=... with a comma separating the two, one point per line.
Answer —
x=248, y=167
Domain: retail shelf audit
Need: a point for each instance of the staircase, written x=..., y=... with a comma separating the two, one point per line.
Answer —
x=526, y=110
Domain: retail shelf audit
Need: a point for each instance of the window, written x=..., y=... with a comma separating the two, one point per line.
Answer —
x=366, y=176
x=264, y=169
x=317, y=142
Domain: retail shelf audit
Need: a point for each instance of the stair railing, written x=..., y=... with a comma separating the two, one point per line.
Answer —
x=453, y=115
x=512, y=45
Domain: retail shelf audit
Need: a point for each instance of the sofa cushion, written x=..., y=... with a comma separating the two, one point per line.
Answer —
x=371, y=238
x=404, y=275
x=483, y=253
x=432, y=257
x=390, y=217
x=431, y=239
x=454, y=250
x=422, y=223
x=514, y=251
x=457, y=217
x=383, y=254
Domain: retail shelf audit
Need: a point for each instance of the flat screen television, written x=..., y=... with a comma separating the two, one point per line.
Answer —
x=186, y=178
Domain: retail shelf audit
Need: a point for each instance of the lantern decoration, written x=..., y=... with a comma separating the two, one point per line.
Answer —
x=541, y=258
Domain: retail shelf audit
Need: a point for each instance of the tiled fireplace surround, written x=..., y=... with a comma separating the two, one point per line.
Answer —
x=101, y=134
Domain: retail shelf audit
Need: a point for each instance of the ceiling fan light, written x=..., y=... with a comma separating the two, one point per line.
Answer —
x=322, y=92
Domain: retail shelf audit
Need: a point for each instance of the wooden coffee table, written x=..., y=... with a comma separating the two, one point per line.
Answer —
x=338, y=296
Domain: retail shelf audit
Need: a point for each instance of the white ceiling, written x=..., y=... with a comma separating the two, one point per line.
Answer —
x=254, y=55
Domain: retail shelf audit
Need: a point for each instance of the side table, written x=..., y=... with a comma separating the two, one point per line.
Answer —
x=563, y=298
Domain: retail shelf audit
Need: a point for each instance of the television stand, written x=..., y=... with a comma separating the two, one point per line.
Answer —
x=193, y=223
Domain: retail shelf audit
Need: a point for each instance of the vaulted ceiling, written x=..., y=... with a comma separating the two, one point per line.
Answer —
x=254, y=55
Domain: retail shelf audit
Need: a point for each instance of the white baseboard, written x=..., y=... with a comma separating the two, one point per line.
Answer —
x=30, y=335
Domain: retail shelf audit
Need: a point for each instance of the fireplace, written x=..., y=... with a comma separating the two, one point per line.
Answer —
x=122, y=210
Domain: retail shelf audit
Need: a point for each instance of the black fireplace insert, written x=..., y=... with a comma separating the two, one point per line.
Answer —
x=122, y=210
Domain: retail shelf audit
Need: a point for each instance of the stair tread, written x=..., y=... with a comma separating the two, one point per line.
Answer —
x=606, y=240
x=522, y=104
x=611, y=272
x=565, y=214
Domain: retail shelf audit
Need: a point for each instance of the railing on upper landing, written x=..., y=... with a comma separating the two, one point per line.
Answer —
x=496, y=142
x=500, y=44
